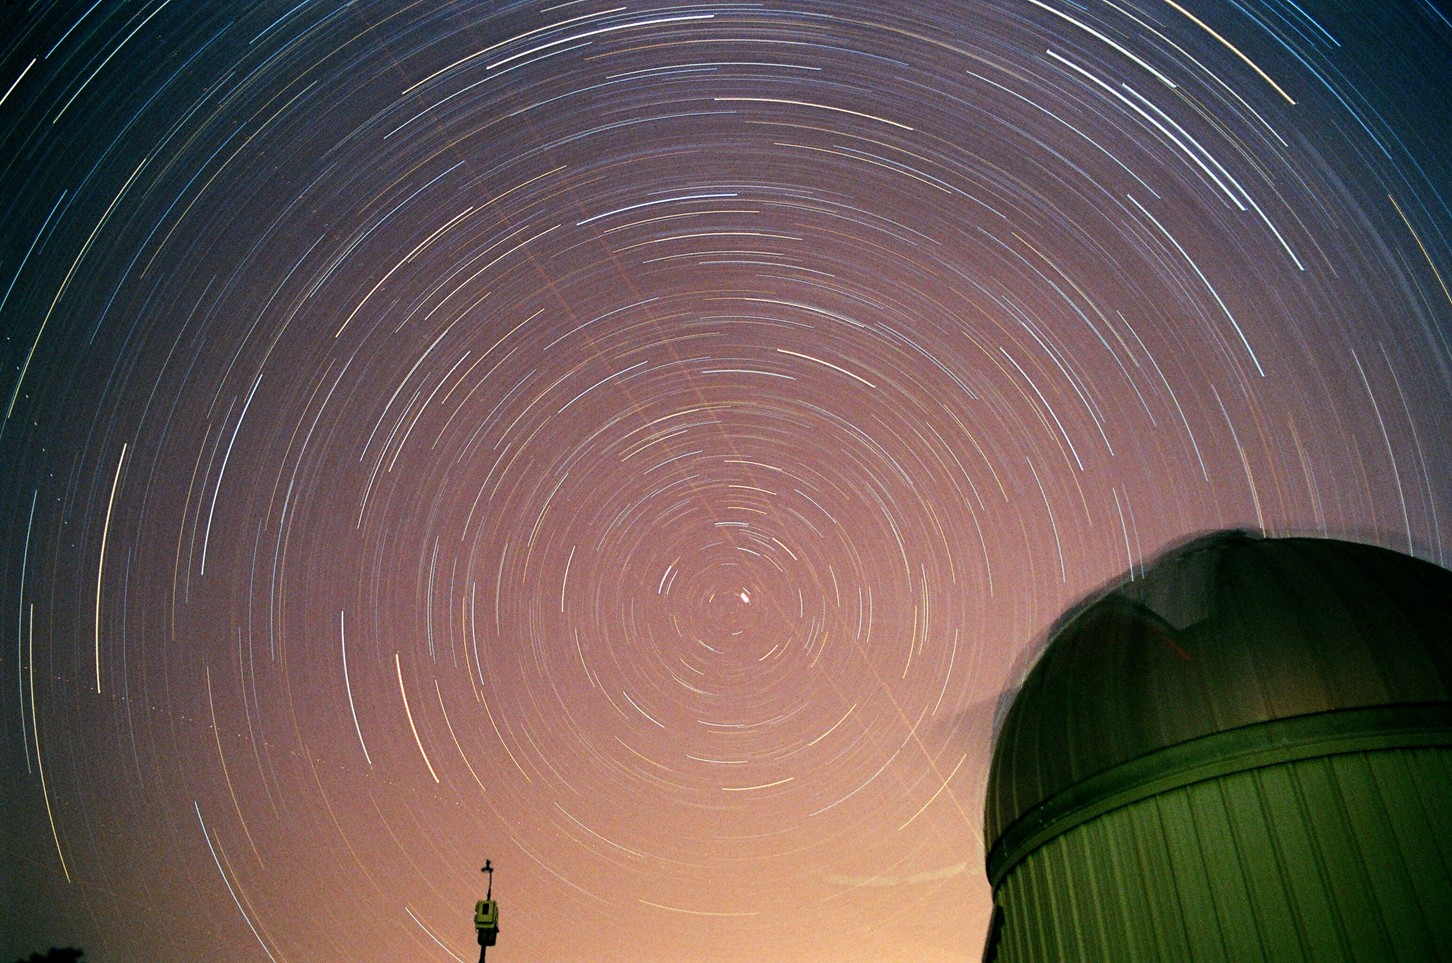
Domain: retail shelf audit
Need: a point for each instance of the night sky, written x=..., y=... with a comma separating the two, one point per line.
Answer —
x=636, y=442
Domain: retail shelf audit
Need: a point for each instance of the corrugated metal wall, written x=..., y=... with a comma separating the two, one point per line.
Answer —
x=1344, y=857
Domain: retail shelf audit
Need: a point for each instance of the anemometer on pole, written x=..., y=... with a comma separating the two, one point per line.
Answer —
x=486, y=915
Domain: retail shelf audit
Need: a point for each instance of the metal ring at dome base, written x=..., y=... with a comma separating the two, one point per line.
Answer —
x=1219, y=754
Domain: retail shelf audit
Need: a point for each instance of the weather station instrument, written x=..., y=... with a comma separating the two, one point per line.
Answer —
x=486, y=915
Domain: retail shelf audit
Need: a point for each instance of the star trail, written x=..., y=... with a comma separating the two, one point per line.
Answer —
x=636, y=443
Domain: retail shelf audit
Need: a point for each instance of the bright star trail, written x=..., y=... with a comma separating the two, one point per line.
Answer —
x=635, y=442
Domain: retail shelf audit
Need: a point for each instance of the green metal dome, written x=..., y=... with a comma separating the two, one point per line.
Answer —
x=1228, y=652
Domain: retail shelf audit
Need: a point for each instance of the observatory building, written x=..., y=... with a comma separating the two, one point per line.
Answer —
x=1243, y=752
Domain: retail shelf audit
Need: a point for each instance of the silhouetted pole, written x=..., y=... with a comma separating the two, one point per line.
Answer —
x=488, y=895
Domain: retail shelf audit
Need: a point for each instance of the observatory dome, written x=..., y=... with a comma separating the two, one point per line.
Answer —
x=1229, y=652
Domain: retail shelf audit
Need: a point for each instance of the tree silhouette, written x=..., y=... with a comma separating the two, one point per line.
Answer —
x=57, y=954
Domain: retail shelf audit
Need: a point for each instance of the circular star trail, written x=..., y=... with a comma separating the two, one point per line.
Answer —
x=636, y=443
